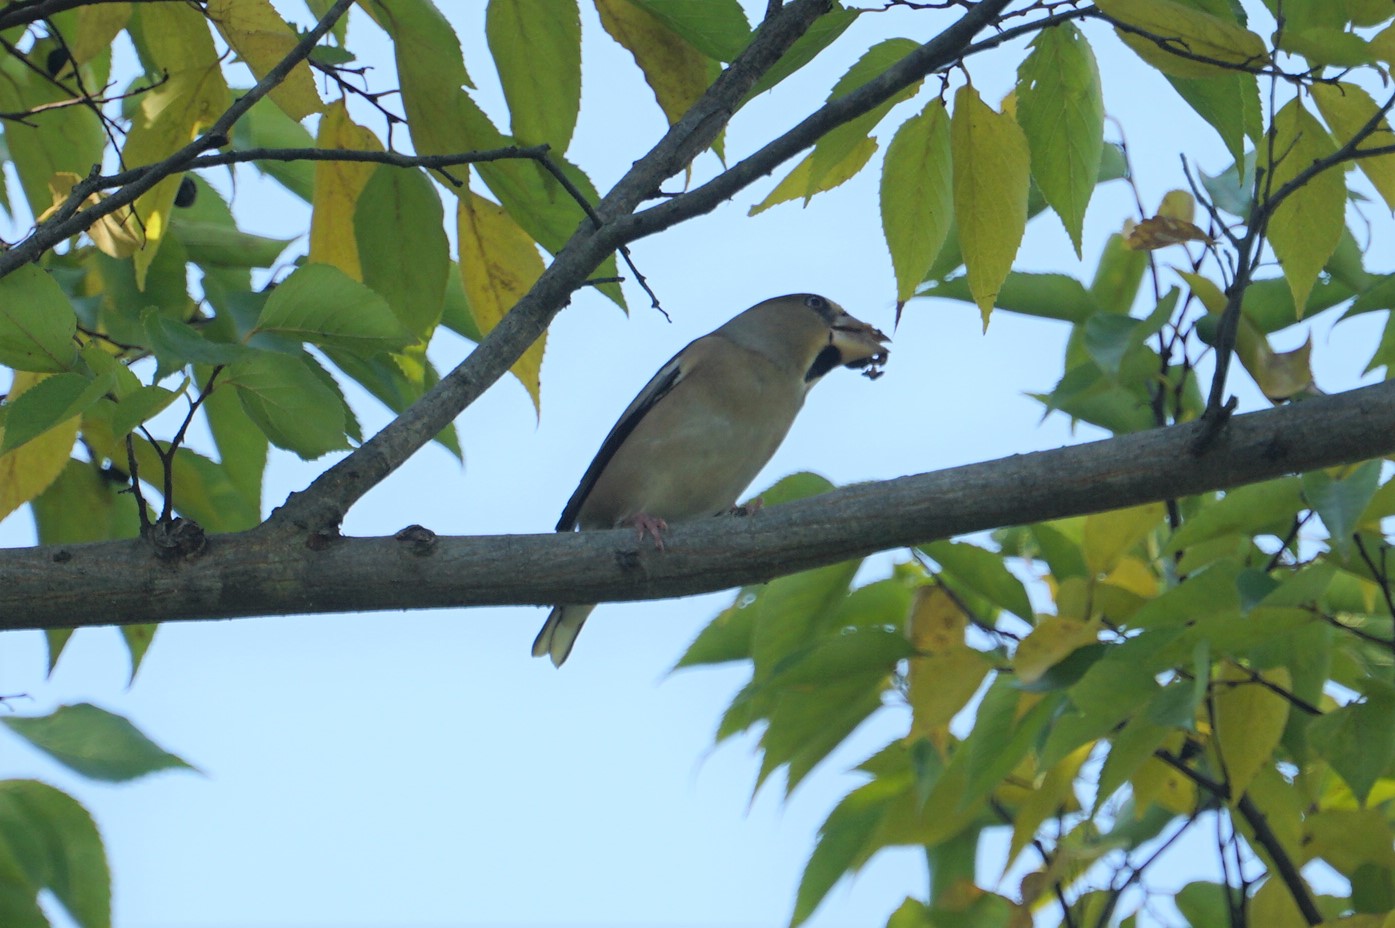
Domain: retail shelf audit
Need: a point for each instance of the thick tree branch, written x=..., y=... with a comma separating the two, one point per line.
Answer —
x=258, y=573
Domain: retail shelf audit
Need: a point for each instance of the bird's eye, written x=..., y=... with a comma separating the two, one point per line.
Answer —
x=815, y=302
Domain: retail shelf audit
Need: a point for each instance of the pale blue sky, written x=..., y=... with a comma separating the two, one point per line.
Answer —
x=421, y=769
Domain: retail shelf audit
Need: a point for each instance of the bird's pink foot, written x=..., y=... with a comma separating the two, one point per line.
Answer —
x=645, y=524
x=749, y=508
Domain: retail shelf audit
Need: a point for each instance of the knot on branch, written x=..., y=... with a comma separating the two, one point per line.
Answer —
x=177, y=539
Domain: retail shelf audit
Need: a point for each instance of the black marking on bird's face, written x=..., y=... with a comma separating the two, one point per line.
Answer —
x=826, y=360
x=823, y=307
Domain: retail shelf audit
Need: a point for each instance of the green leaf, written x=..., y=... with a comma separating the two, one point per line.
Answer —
x=1204, y=903
x=84, y=504
x=792, y=609
x=983, y=572
x=48, y=841
x=917, y=195
x=846, y=839
x=95, y=743
x=1258, y=509
x=1357, y=739
x=1050, y=296
x=289, y=403
x=727, y=637
x=823, y=33
x=855, y=653
x=242, y=447
x=536, y=45
x=717, y=28
x=1341, y=501
x=50, y=402
x=808, y=722
x=1118, y=276
x=37, y=323
x=1306, y=227
x=266, y=125
x=179, y=343
x=1108, y=338
x=321, y=304
x=1061, y=111
x=218, y=245
x=1228, y=102
x=402, y=246
x=139, y=406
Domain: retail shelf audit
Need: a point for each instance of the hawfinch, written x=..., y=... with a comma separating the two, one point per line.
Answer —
x=704, y=426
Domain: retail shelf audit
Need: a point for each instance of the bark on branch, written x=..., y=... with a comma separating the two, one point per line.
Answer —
x=260, y=573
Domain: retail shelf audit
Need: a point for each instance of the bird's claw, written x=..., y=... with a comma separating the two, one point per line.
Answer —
x=645, y=524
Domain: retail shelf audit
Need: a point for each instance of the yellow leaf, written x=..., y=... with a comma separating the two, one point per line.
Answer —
x=29, y=469
x=1155, y=783
x=117, y=234
x=677, y=72
x=498, y=263
x=1054, y=792
x=262, y=39
x=1178, y=204
x=337, y=188
x=172, y=114
x=1183, y=41
x=1134, y=575
x=1347, y=108
x=1306, y=227
x=1111, y=535
x=947, y=674
x=1053, y=639
x=1250, y=719
x=1273, y=907
x=991, y=174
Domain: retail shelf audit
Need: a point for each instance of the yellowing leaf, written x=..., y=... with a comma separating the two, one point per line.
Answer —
x=498, y=263
x=117, y=234
x=1175, y=38
x=991, y=175
x=1347, y=108
x=97, y=25
x=29, y=469
x=677, y=72
x=1109, y=536
x=1250, y=720
x=1306, y=227
x=917, y=195
x=1155, y=783
x=172, y=114
x=262, y=39
x=1061, y=110
x=947, y=672
x=337, y=188
x=1052, y=640
x=799, y=182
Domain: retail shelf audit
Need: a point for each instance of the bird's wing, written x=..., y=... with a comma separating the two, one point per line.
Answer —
x=662, y=383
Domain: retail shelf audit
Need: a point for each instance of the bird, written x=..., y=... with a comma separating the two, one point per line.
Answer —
x=705, y=424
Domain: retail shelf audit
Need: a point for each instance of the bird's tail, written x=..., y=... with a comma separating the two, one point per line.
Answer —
x=559, y=632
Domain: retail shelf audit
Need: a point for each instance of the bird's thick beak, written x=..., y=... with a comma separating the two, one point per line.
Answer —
x=859, y=344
